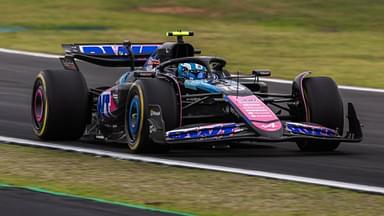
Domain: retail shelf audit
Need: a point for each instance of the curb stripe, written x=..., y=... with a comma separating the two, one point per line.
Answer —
x=62, y=194
x=147, y=159
x=44, y=55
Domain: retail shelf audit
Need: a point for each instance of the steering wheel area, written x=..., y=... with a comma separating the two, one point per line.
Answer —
x=213, y=64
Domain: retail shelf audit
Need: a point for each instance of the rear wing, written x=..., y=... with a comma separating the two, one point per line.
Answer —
x=108, y=54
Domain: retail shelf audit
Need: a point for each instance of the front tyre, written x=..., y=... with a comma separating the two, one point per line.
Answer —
x=134, y=120
x=324, y=107
x=142, y=94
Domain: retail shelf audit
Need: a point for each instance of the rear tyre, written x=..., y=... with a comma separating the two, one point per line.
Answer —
x=59, y=105
x=143, y=93
x=325, y=107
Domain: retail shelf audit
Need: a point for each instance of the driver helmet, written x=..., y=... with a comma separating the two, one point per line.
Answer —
x=191, y=71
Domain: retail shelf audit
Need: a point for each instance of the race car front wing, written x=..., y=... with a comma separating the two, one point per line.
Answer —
x=227, y=132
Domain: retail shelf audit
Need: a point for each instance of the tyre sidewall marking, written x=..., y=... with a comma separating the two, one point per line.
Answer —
x=45, y=115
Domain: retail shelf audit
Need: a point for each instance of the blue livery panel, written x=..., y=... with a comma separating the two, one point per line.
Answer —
x=310, y=130
x=207, y=131
x=118, y=49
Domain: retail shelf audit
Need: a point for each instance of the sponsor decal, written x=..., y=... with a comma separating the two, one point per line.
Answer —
x=310, y=130
x=154, y=113
x=118, y=50
x=230, y=88
x=106, y=104
x=270, y=125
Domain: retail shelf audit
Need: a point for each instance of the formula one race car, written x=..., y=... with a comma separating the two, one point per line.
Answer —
x=171, y=95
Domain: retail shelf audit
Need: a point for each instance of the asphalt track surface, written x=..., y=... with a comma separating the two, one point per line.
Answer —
x=361, y=163
x=22, y=202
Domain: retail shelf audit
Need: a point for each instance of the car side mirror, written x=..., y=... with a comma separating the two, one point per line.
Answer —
x=261, y=72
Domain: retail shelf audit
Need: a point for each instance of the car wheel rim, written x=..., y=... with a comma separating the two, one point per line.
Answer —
x=38, y=106
x=133, y=123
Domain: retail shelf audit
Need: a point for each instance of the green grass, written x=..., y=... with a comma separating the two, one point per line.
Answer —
x=187, y=190
x=338, y=38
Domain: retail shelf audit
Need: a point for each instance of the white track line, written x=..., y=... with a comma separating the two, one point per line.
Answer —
x=126, y=156
x=43, y=55
x=352, y=88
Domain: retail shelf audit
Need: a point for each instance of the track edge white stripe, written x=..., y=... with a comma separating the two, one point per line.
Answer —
x=344, y=87
x=34, y=54
x=44, y=55
x=147, y=159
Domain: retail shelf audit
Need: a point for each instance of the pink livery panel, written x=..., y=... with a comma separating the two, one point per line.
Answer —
x=256, y=112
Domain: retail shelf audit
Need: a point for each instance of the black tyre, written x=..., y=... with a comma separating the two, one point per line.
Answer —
x=142, y=93
x=59, y=105
x=325, y=107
